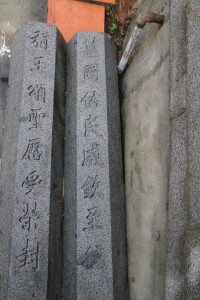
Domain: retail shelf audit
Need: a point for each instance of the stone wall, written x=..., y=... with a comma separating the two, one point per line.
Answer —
x=146, y=129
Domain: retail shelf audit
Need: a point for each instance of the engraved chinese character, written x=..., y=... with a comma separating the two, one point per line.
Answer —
x=91, y=187
x=90, y=258
x=38, y=63
x=89, y=47
x=92, y=156
x=37, y=92
x=93, y=218
x=33, y=151
x=91, y=72
x=31, y=181
x=39, y=39
x=35, y=116
x=92, y=126
x=30, y=217
x=90, y=99
x=29, y=255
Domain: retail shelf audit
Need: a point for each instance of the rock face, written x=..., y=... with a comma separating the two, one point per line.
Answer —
x=183, y=251
x=94, y=218
x=32, y=167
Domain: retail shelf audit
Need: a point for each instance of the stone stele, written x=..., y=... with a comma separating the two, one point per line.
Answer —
x=32, y=167
x=94, y=217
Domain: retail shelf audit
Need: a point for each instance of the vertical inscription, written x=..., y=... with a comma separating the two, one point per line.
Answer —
x=29, y=233
x=93, y=218
x=39, y=39
x=33, y=150
x=35, y=117
x=90, y=258
x=31, y=181
x=90, y=99
x=33, y=153
x=38, y=63
x=92, y=126
x=91, y=72
x=92, y=156
x=91, y=188
x=89, y=48
x=29, y=255
x=30, y=217
x=37, y=92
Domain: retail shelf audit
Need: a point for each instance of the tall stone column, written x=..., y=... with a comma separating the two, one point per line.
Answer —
x=32, y=167
x=94, y=218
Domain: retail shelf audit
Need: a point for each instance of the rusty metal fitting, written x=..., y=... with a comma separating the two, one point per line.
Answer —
x=149, y=17
x=143, y=18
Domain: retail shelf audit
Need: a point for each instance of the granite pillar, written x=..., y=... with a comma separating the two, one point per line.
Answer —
x=94, y=217
x=32, y=167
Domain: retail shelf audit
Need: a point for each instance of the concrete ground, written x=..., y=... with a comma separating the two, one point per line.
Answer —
x=13, y=14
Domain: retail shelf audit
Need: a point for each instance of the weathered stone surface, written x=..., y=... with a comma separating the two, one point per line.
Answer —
x=3, y=95
x=183, y=252
x=94, y=219
x=32, y=167
x=4, y=73
x=146, y=129
x=9, y=157
x=4, y=69
x=13, y=14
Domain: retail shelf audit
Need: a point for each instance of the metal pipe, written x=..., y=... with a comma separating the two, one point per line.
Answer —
x=149, y=17
x=129, y=47
x=143, y=18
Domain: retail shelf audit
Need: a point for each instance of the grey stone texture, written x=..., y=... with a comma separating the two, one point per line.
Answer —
x=94, y=217
x=13, y=14
x=4, y=74
x=3, y=96
x=183, y=251
x=32, y=167
x=146, y=131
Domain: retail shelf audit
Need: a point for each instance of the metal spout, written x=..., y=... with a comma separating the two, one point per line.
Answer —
x=143, y=18
x=149, y=17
